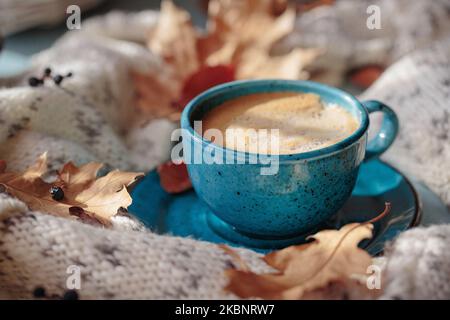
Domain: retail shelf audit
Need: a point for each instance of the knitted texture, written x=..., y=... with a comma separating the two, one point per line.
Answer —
x=88, y=117
x=37, y=250
x=418, y=87
x=342, y=30
x=418, y=265
x=91, y=116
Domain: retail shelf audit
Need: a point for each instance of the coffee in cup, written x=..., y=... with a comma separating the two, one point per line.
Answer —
x=303, y=121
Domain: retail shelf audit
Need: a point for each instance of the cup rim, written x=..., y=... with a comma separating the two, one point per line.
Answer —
x=308, y=155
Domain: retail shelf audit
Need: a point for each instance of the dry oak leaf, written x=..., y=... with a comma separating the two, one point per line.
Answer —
x=155, y=97
x=203, y=79
x=260, y=27
x=175, y=39
x=247, y=40
x=98, y=198
x=250, y=21
x=233, y=27
x=363, y=77
x=304, y=6
x=2, y=166
x=174, y=178
x=156, y=100
x=243, y=33
x=258, y=64
x=240, y=35
x=307, y=271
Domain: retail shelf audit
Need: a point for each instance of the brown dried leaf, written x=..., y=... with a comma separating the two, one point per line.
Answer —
x=239, y=33
x=154, y=98
x=304, y=6
x=256, y=63
x=205, y=78
x=174, y=39
x=235, y=26
x=102, y=196
x=99, y=198
x=243, y=33
x=237, y=258
x=174, y=178
x=235, y=17
x=157, y=101
x=78, y=178
x=363, y=77
x=309, y=270
x=28, y=186
x=2, y=166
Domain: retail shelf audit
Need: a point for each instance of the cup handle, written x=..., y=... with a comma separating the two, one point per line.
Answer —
x=388, y=131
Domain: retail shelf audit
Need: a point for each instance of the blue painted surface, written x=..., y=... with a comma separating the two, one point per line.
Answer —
x=187, y=216
x=308, y=188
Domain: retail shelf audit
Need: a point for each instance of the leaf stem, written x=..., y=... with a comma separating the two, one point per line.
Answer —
x=386, y=210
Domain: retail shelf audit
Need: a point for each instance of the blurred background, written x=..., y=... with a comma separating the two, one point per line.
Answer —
x=352, y=50
x=29, y=26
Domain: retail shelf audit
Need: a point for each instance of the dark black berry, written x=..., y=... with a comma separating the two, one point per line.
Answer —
x=34, y=82
x=39, y=292
x=57, y=193
x=58, y=79
x=70, y=295
x=47, y=71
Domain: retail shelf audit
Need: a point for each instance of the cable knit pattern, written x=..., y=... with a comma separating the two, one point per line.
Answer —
x=341, y=30
x=88, y=117
x=418, y=88
x=37, y=249
x=91, y=116
x=418, y=265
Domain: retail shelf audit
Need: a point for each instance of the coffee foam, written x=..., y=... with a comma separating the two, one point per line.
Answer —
x=303, y=121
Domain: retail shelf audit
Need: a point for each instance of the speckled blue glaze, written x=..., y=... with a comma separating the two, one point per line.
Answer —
x=186, y=215
x=308, y=188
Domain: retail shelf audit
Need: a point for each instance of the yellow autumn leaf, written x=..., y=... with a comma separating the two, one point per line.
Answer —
x=332, y=260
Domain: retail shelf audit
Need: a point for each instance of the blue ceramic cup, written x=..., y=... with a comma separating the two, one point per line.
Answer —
x=308, y=187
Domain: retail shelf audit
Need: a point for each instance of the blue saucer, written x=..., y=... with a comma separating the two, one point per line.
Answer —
x=186, y=215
